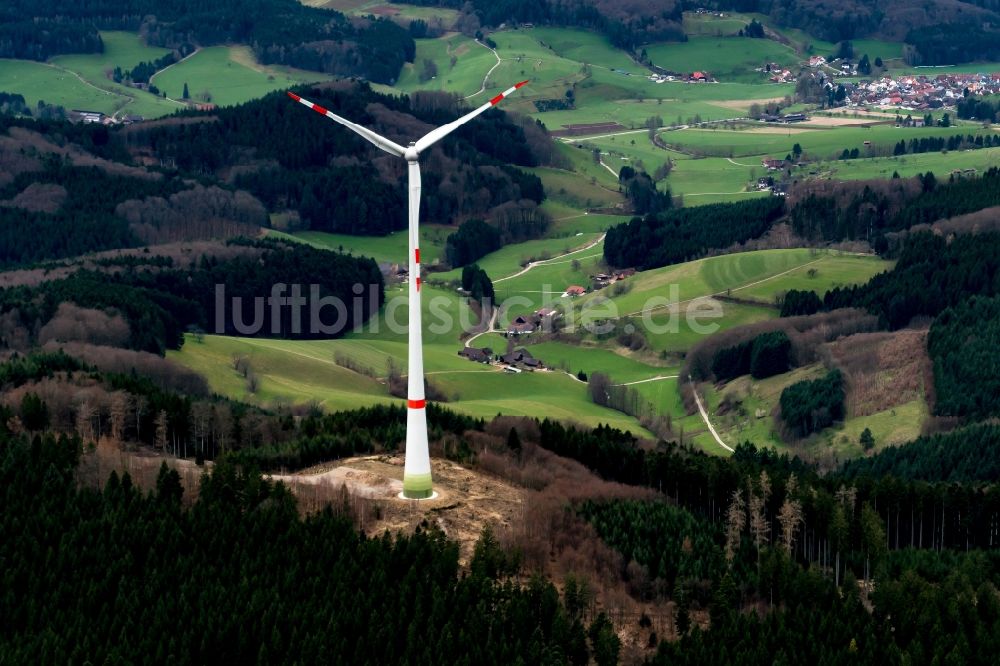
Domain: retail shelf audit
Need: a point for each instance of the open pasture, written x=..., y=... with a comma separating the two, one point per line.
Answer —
x=724, y=58
x=228, y=75
x=941, y=164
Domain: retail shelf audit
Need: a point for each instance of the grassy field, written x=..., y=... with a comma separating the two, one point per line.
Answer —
x=299, y=372
x=759, y=140
x=756, y=401
x=41, y=82
x=713, y=275
x=823, y=273
x=403, y=13
x=511, y=259
x=724, y=58
x=909, y=165
x=228, y=75
x=391, y=248
x=225, y=75
x=125, y=50
x=573, y=190
x=465, y=77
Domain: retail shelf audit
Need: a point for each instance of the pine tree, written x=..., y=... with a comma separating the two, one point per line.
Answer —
x=186, y=94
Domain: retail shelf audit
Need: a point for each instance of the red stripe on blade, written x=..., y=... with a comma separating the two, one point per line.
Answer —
x=496, y=100
x=418, y=284
x=416, y=254
x=416, y=404
x=518, y=85
x=294, y=96
x=319, y=109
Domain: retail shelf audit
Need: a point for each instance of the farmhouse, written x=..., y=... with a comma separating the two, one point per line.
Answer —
x=773, y=165
x=544, y=313
x=521, y=326
x=575, y=290
x=699, y=76
x=483, y=355
x=87, y=116
x=521, y=357
x=817, y=61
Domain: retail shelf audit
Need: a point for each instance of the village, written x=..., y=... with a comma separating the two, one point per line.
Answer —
x=921, y=92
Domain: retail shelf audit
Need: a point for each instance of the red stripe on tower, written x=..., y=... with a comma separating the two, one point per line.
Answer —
x=416, y=404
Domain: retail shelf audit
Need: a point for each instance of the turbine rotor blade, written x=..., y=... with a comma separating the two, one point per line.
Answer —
x=436, y=135
x=370, y=136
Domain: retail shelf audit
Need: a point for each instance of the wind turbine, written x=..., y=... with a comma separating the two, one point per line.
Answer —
x=417, y=481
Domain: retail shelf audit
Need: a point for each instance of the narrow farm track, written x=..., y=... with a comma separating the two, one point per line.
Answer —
x=657, y=378
x=724, y=291
x=704, y=417
x=486, y=78
x=552, y=260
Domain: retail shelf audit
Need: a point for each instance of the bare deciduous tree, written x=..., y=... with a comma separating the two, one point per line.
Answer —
x=736, y=519
x=161, y=430
x=790, y=516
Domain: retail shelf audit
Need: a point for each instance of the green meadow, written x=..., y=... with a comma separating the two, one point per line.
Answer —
x=404, y=13
x=738, y=274
x=392, y=248
x=228, y=75
x=724, y=58
x=942, y=164
x=41, y=82
x=125, y=50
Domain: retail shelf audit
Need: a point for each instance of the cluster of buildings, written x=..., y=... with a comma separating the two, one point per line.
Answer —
x=663, y=76
x=98, y=118
x=920, y=92
x=602, y=280
x=525, y=325
x=516, y=360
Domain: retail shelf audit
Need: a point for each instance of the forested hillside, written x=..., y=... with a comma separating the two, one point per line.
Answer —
x=211, y=175
x=868, y=210
x=627, y=24
x=104, y=575
x=681, y=234
x=725, y=536
x=932, y=274
x=938, y=33
x=160, y=298
x=961, y=456
x=292, y=159
x=963, y=342
x=280, y=31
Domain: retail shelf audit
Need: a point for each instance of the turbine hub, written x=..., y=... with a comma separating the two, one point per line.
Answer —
x=411, y=153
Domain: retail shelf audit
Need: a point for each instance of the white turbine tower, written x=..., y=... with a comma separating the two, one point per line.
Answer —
x=417, y=483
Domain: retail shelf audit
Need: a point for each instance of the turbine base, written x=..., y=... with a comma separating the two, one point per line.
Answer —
x=417, y=486
x=431, y=495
